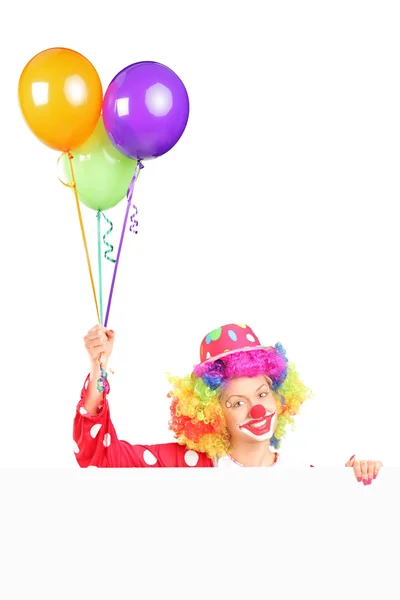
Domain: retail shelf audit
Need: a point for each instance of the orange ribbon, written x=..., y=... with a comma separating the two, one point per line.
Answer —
x=72, y=185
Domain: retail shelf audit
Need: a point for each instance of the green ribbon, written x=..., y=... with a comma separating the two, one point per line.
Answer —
x=109, y=246
x=109, y=250
x=102, y=383
x=99, y=264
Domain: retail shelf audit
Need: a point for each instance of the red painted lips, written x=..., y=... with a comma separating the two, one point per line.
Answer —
x=259, y=426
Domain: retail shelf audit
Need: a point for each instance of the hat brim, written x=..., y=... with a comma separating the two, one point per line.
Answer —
x=245, y=349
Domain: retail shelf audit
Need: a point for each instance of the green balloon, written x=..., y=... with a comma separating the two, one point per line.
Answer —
x=102, y=173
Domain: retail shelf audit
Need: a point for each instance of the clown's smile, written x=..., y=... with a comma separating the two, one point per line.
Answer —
x=258, y=427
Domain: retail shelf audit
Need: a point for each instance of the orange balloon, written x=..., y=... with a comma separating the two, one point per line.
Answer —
x=61, y=96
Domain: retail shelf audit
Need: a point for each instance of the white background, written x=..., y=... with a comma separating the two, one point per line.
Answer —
x=278, y=208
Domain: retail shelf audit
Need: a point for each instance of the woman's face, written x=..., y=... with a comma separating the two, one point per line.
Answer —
x=238, y=398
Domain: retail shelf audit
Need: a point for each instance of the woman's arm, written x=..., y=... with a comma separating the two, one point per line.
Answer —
x=93, y=397
x=96, y=443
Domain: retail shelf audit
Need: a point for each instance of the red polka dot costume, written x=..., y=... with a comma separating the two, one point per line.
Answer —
x=96, y=443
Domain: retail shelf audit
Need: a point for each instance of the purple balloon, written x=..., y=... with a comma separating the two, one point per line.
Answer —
x=145, y=110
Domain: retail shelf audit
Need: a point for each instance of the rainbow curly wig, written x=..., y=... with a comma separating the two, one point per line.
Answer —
x=197, y=418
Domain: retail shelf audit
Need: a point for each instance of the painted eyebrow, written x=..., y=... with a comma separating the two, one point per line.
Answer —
x=240, y=395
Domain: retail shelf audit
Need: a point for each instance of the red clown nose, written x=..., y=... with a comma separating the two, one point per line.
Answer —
x=258, y=411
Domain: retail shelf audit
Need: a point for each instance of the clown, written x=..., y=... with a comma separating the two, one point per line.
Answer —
x=231, y=411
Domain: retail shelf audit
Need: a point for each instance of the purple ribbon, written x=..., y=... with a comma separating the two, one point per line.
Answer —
x=134, y=224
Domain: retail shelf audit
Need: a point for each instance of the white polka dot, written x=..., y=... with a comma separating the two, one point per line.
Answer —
x=76, y=447
x=208, y=355
x=250, y=337
x=95, y=430
x=191, y=458
x=149, y=458
x=107, y=440
x=83, y=410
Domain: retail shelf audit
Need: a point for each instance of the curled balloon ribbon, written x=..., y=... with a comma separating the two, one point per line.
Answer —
x=102, y=382
x=134, y=225
x=110, y=247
